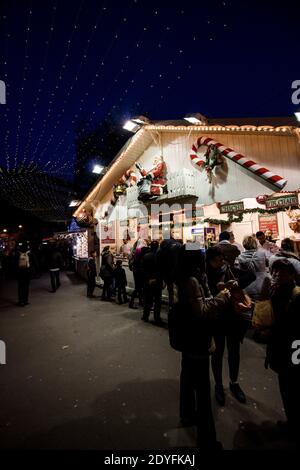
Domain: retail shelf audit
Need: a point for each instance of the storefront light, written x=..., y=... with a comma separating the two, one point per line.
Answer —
x=97, y=169
x=195, y=118
x=131, y=126
x=75, y=203
x=297, y=114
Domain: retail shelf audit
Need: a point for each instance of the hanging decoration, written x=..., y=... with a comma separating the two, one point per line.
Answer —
x=129, y=178
x=119, y=189
x=262, y=199
x=236, y=157
x=153, y=182
x=294, y=215
x=85, y=218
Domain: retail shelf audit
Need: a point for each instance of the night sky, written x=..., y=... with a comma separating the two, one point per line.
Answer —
x=68, y=61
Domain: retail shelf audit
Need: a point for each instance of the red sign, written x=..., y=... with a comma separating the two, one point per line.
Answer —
x=269, y=222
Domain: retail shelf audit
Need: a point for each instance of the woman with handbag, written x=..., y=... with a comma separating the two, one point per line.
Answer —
x=231, y=329
x=254, y=260
x=199, y=312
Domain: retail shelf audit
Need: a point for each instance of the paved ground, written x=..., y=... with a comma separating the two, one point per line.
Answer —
x=87, y=374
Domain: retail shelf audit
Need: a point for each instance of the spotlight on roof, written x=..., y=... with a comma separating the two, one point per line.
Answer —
x=74, y=203
x=196, y=118
x=297, y=114
x=141, y=120
x=98, y=169
x=134, y=124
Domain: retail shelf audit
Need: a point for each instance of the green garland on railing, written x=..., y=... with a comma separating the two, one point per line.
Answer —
x=234, y=219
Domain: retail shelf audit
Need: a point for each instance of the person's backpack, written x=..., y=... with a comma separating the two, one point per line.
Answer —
x=24, y=260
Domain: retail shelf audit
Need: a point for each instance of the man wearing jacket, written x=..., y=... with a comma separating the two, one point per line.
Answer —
x=24, y=264
x=91, y=274
x=152, y=283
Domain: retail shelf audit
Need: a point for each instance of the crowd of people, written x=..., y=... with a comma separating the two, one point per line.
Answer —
x=216, y=291
x=26, y=263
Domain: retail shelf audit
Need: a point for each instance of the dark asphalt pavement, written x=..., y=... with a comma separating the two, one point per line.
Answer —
x=87, y=374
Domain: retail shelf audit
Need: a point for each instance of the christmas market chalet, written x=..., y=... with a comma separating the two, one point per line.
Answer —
x=217, y=174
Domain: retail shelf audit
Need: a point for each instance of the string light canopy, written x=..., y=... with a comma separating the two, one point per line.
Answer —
x=89, y=61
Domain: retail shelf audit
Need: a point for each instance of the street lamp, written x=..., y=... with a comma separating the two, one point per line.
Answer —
x=4, y=230
x=20, y=226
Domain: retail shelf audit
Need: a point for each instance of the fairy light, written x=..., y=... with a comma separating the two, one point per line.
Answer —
x=61, y=72
x=71, y=87
x=7, y=36
x=24, y=79
x=57, y=146
x=40, y=87
x=132, y=81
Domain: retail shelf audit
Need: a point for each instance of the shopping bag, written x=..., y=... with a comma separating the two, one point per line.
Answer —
x=263, y=315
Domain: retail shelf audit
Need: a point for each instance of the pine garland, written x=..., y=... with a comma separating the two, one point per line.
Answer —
x=235, y=219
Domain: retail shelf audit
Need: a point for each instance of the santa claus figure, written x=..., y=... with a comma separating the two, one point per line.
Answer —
x=157, y=177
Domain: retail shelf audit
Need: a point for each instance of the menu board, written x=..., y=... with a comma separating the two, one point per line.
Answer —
x=143, y=231
x=269, y=222
x=133, y=229
x=108, y=235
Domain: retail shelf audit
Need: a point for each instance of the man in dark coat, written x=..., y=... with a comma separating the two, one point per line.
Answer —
x=91, y=274
x=167, y=256
x=55, y=263
x=230, y=251
x=24, y=265
x=121, y=282
x=152, y=283
x=106, y=272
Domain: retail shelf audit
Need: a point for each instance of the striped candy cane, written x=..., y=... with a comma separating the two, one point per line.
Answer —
x=129, y=174
x=238, y=158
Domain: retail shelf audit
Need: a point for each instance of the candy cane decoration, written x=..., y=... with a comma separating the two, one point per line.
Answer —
x=195, y=159
x=238, y=158
x=129, y=175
